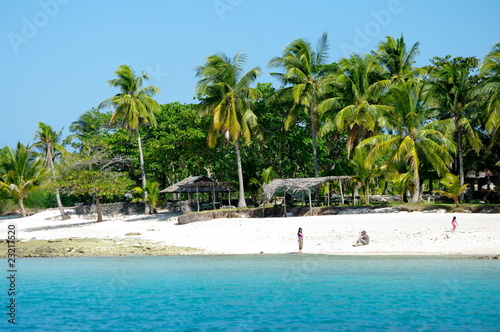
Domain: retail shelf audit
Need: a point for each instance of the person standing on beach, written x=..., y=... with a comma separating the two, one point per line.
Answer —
x=300, y=236
x=454, y=223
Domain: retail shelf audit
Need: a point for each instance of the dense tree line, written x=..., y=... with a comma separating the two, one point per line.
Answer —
x=377, y=116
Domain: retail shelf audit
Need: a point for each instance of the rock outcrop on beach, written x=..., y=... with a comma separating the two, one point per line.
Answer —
x=79, y=247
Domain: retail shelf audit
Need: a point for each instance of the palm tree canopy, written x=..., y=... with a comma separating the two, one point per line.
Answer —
x=48, y=142
x=397, y=59
x=225, y=94
x=415, y=134
x=490, y=70
x=134, y=104
x=23, y=171
x=357, y=105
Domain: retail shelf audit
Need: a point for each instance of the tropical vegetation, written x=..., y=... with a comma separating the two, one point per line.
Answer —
x=395, y=127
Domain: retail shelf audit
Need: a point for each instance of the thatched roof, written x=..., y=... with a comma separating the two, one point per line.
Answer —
x=297, y=184
x=195, y=184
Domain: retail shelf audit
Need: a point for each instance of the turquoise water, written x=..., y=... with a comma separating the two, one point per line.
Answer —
x=255, y=293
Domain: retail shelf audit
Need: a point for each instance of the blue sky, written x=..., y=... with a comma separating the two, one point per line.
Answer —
x=58, y=55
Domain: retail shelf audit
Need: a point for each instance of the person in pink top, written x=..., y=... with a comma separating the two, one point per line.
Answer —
x=454, y=223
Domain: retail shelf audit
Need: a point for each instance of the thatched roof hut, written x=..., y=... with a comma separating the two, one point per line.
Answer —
x=294, y=185
x=197, y=185
x=194, y=184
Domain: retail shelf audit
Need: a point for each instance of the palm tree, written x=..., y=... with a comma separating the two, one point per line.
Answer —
x=153, y=194
x=365, y=174
x=452, y=89
x=393, y=55
x=303, y=69
x=413, y=136
x=454, y=189
x=48, y=142
x=134, y=106
x=23, y=172
x=357, y=105
x=225, y=95
x=490, y=70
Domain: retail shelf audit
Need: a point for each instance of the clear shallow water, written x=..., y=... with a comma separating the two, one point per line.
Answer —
x=256, y=293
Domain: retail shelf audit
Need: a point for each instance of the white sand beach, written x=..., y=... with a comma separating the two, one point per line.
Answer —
x=414, y=233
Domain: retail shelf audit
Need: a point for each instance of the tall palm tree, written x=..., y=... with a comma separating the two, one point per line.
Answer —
x=398, y=60
x=452, y=89
x=23, y=173
x=134, y=106
x=413, y=136
x=357, y=105
x=48, y=141
x=225, y=95
x=303, y=69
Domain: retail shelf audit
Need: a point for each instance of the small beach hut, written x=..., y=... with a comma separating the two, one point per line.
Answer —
x=294, y=185
x=199, y=184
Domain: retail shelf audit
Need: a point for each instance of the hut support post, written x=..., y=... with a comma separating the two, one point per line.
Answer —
x=213, y=198
x=284, y=203
x=328, y=194
x=198, y=199
x=310, y=204
x=341, y=193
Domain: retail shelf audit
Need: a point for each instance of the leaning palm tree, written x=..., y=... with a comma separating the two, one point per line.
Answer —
x=225, y=95
x=303, y=69
x=357, y=105
x=48, y=142
x=134, y=106
x=413, y=136
x=23, y=173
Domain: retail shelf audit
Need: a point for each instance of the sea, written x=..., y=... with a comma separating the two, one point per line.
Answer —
x=282, y=292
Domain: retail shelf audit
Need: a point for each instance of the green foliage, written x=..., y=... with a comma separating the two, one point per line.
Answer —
x=153, y=194
x=93, y=175
x=365, y=173
x=399, y=114
x=22, y=172
x=453, y=187
x=41, y=199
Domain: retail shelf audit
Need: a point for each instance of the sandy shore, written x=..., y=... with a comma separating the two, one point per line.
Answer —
x=416, y=233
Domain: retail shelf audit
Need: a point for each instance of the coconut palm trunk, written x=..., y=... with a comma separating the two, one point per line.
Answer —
x=313, y=137
x=416, y=190
x=143, y=172
x=64, y=215
x=241, y=200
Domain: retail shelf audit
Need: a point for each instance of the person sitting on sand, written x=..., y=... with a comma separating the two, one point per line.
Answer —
x=363, y=240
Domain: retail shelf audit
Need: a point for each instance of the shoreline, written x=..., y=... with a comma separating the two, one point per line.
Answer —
x=391, y=234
